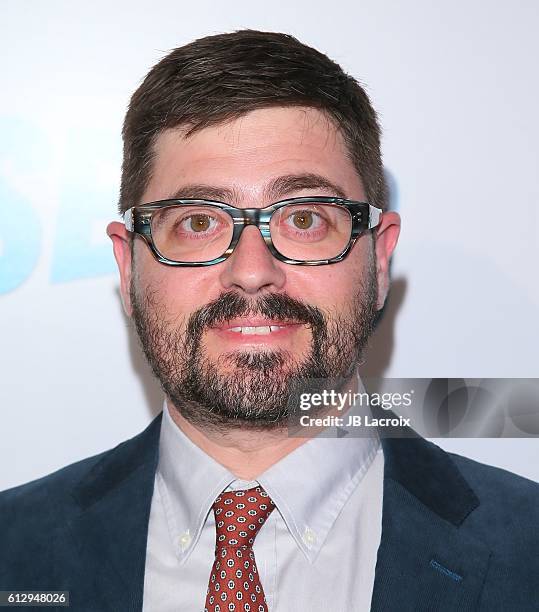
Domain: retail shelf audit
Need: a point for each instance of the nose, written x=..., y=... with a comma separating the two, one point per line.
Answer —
x=252, y=267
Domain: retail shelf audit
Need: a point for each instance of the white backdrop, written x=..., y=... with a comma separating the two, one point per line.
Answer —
x=455, y=85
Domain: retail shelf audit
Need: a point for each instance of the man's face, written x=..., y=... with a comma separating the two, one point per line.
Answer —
x=188, y=318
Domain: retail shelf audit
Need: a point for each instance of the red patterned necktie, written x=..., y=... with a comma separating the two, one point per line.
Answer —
x=234, y=581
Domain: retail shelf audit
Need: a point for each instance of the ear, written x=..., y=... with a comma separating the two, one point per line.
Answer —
x=386, y=236
x=122, y=252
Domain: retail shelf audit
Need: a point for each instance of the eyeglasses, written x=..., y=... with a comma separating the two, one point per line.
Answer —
x=309, y=231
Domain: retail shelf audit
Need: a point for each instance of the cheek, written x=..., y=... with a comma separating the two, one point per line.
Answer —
x=180, y=291
x=178, y=296
x=154, y=280
x=332, y=287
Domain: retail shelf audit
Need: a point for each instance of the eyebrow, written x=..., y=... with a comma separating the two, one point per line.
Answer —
x=283, y=185
x=278, y=188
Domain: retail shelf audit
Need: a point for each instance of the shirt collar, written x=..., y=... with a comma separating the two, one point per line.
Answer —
x=189, y=481
x=309, y=487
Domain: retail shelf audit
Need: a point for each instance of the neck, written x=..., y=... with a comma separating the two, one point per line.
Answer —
x=245, y=453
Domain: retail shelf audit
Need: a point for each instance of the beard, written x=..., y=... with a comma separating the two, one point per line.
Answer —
x=261, y=390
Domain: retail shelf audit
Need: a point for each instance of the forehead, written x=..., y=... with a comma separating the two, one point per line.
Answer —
x=245, y=154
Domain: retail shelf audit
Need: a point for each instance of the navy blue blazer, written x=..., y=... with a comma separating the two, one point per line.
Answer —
x=456, y=535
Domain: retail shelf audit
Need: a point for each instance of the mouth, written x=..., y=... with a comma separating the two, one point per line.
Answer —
x=253, y=329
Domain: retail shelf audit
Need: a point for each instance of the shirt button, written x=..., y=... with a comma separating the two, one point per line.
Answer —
x=309, y=536
x=184, y=540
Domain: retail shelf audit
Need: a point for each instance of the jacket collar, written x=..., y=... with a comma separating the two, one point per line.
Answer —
x=429, y=474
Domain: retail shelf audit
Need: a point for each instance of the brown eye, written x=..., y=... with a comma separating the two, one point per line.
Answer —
x=303, y=219
x=200, y=223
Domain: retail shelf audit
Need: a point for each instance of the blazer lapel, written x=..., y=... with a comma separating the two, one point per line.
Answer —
x=427, y=559
x=109, y=534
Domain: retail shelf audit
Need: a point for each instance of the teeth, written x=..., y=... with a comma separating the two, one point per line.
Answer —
x=257, y=331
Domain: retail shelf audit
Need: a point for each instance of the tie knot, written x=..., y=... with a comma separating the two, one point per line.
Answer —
x=239, y=515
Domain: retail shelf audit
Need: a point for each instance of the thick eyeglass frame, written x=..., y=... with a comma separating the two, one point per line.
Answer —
x=138, y=219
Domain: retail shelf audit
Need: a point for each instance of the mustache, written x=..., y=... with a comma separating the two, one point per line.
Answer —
x=273, y=306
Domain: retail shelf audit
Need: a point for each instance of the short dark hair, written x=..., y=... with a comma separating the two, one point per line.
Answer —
x=219, y=78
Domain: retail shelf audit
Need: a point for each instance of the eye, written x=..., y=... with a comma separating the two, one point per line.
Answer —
x=199, y=222
x=304, y=219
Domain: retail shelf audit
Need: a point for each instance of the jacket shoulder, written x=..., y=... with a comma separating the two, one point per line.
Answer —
x=31, y=515
x=491, y=482
x=48, y=497
x=34, y=516
x=59, y=491
x=508, y=512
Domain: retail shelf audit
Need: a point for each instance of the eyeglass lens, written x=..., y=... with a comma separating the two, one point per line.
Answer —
x=199, y=233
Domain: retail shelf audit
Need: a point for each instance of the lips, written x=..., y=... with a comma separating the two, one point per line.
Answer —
x=262, y=330
x=255, y=327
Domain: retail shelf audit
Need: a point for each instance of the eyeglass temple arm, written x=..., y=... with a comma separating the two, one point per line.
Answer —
x=128, y=220
x=375, y=214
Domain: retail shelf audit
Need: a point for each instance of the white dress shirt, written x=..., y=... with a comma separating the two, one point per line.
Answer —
x=315, y=553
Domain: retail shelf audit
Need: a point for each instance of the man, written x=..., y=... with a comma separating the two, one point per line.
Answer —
x=254, y=255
